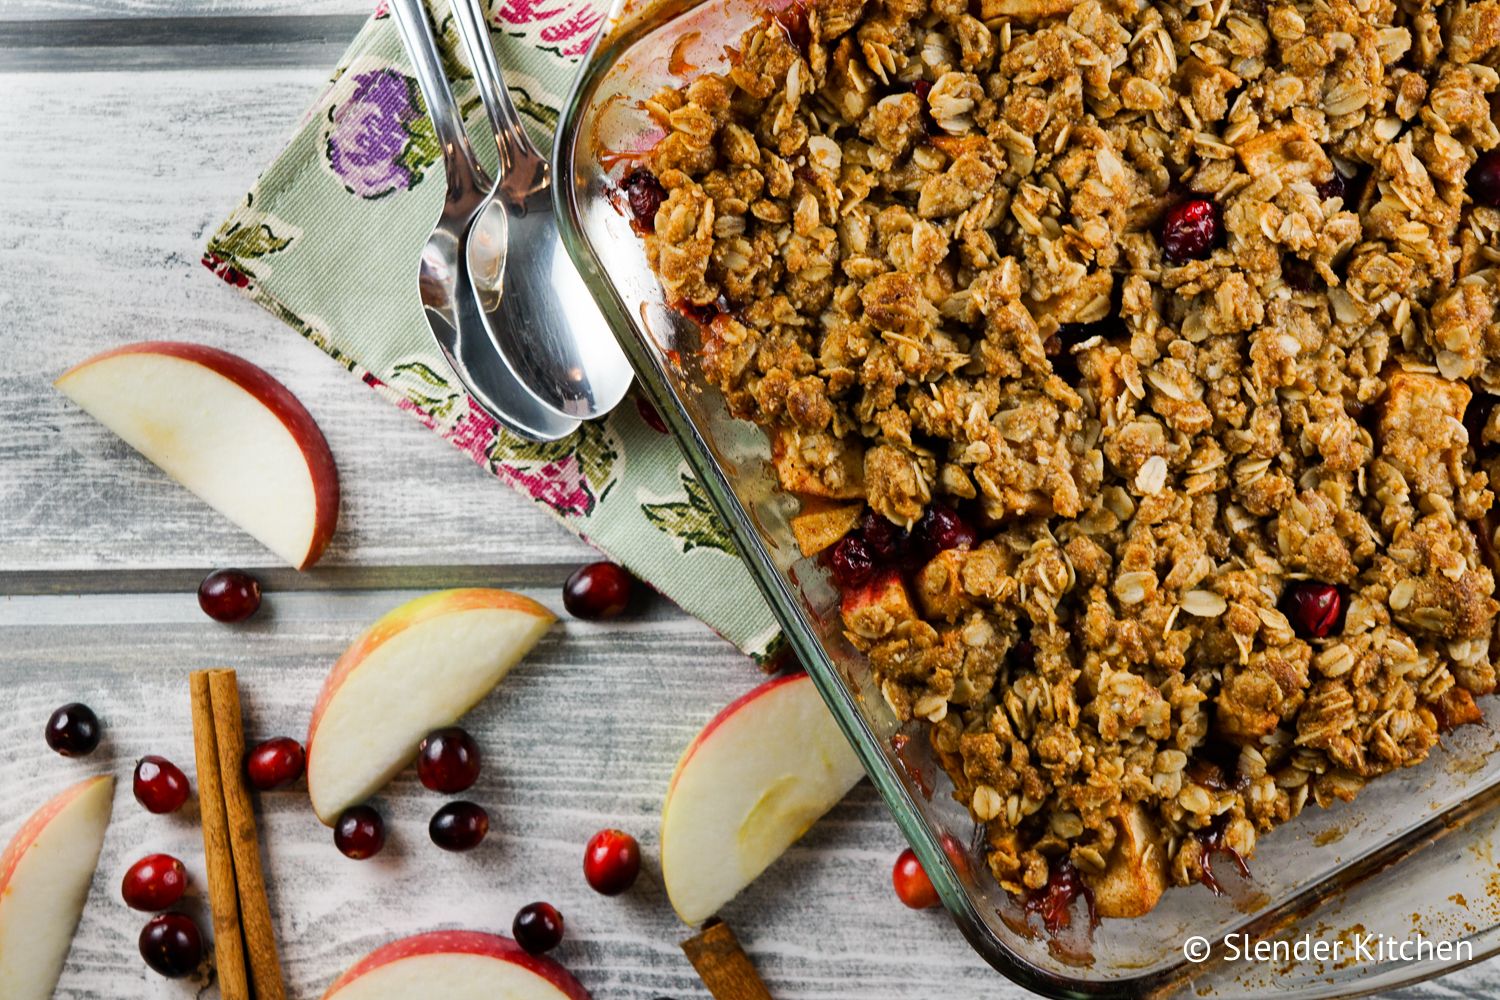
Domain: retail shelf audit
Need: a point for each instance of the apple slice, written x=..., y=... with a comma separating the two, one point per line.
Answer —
x=44, y=879
x=224, y=429
x=456, y=965
x=418, y=668
x=752, y=782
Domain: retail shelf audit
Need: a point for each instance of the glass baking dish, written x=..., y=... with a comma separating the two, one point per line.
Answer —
x=1410, y=859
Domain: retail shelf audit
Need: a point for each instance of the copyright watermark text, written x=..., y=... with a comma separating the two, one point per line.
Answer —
x=1352, y=947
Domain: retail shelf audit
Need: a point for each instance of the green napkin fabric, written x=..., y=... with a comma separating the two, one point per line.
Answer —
x=328, y=240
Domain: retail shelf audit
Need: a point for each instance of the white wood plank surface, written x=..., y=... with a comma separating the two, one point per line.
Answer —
x=113, y=165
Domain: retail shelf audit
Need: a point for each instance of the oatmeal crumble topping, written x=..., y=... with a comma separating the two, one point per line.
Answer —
x=1136, y=362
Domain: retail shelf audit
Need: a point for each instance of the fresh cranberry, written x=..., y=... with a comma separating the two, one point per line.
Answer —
x=611, y=862
x=1484, y=179
x=644, y=194
x=913, y=887
x=459, y=826
x=448, y=760
x=649, y=415
x=538, y=927
x=887, y=544
x=275, y=763
x=229, y=595
x=941, y=528
x=160, y=785
x=1315, y=609
x=1190, y=230
x=851, y=562
x=1053, y=902
x=154, y=883
x=73, y=730
x=171, y=945
x=359, y=833
x=597, y=591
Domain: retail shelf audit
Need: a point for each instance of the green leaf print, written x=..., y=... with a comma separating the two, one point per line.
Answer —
x=692, y=520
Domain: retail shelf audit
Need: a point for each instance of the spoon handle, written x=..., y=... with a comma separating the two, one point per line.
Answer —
x=464, y=172
x=516, y=148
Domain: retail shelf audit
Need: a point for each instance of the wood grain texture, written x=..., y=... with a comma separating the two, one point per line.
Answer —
x=105, y=207
x=115, y=163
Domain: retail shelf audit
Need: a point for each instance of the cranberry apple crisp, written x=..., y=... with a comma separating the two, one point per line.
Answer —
x=1133, y=360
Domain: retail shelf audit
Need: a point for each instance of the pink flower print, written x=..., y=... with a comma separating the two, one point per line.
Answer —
x=519, y=12
x=559, y=484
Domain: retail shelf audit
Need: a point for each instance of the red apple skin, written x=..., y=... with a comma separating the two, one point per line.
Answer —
x=280, y=401
x=35, y=824
x=463, y=943
x=398, y=620
x=728, y=712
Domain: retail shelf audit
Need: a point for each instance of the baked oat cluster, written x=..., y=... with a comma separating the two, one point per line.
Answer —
x=1133, y=359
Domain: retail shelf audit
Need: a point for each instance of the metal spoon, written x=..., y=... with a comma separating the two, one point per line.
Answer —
x=537, y=308
x=442, y=277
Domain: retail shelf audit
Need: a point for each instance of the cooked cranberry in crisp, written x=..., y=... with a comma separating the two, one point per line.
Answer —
x=941, y=528
x=851, y=562
x=1336, y=186
x=644, y=194
x=888, y=544
x=1190, y=230
x=1054, y=901
x=1484, y=179
x=1314, y=608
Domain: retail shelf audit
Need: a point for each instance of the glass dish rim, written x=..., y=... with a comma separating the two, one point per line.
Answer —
x=625, y=22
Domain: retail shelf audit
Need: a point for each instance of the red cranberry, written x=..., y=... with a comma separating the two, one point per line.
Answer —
x=913, y=887
x=160, y=785
x=1335, y=187
x=644, y=194
x=1190, y=230
x=359, y=833
x=538, y=927
x=598, y=590
x=448, y=760
x=851, y=562
x=1315, y=609
x=1484, y=179
x=275, y=763
x=171, y=945
x=649, y=415
x=73, y=730
x=459, y=826
x=229, y=595
x=887, y=544
x=941, y=528
x=611, y=862
x=154, y=883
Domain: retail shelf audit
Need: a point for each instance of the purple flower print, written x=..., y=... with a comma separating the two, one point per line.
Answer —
x=380, y=140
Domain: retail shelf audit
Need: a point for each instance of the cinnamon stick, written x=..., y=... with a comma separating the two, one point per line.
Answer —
x=229, y=950
x=723, y=965
x=255, y=909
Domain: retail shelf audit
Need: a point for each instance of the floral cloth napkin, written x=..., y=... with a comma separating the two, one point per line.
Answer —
x=328, y=241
